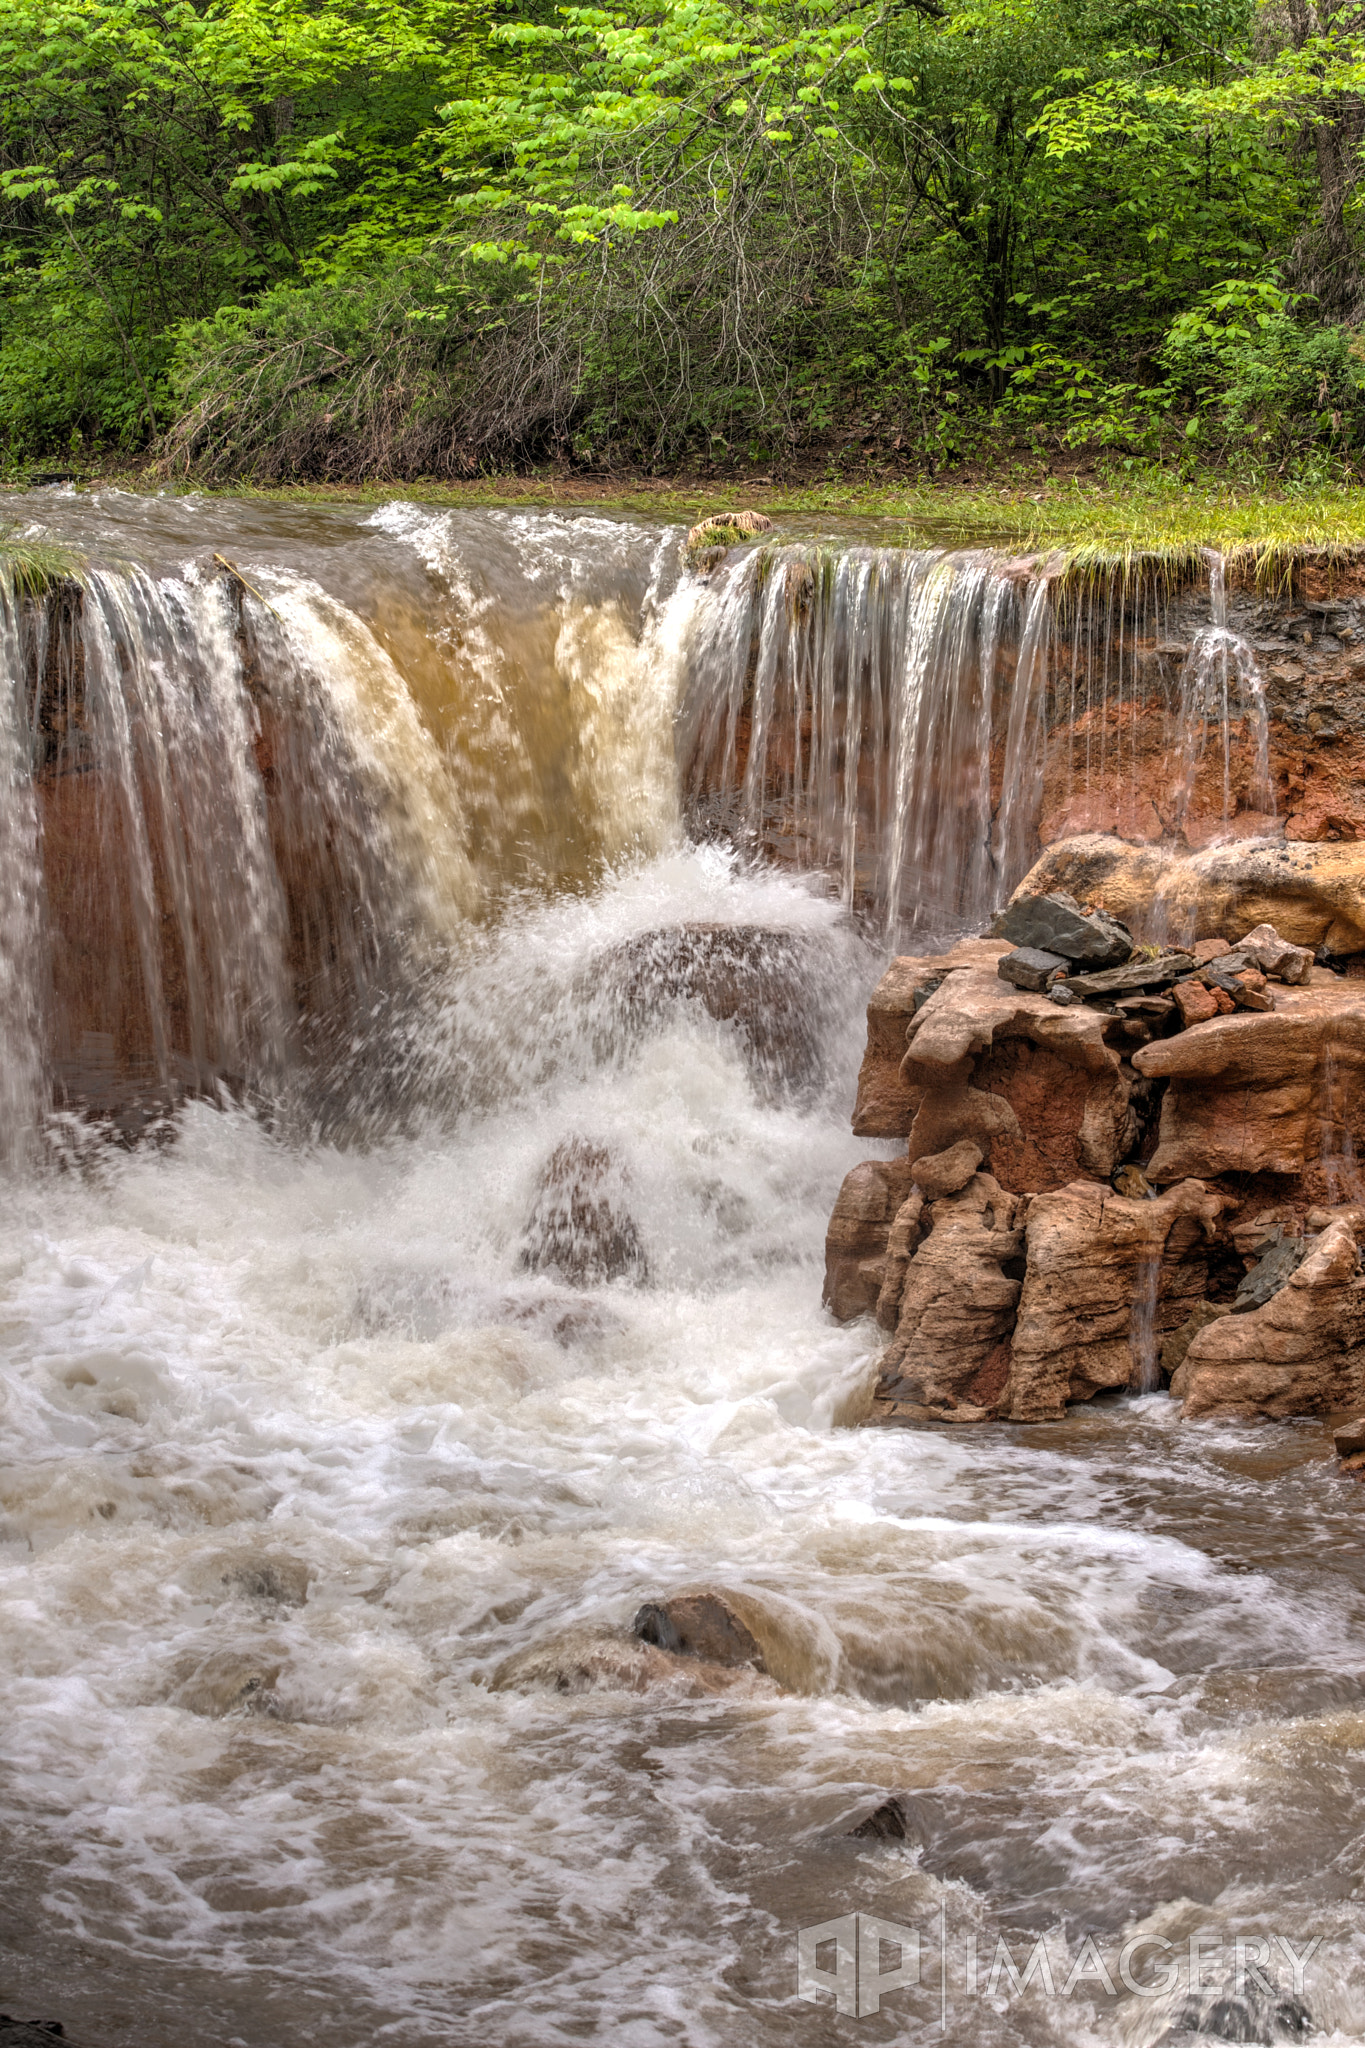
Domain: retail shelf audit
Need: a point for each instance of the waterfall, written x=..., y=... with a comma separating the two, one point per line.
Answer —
x=840, y=714
x=255, y=808
x=1221, y=731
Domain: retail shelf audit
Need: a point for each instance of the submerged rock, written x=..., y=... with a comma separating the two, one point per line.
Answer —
x=885, y=1823
x=599, y=1658
x=699, y=1625
x=580, y=1227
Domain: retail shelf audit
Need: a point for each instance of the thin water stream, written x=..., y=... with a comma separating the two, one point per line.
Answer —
x=323, y=1519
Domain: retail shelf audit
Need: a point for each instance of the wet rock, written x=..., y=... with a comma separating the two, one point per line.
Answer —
x=856, y=1240
x=701, y=1625
x=580, y=1227
x=1275, y=1093
x=1026, y=967
x=229, y=1683
x=1039, y=1089
x=1349, y=1440
x=959, y=1293
x=885, y=1823
x=1274, y=955
x=597, y=1658
x=1176, y=1346
x=904, y=1239
x=1269, y=1274
x=1347, y=1212
x=274, y=1580
x=1302, y=1353
x=946, y=1173
x=1138, y=974
x=29, y=2033
x=1084, y=1247
x=755, y=977
x=1056, y=923
x=1313, y=895
x=887, y=1099
x=1253, y=2015
x=1195, y=1002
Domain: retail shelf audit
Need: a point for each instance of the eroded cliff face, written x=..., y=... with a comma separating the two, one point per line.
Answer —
x=1125, y=1172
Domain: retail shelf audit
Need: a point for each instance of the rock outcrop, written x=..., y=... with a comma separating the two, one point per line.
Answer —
x=1313, y=895
x=1085, y=1246
x=1281, y=1093
x=1302, y=1353
x=1155, y=1181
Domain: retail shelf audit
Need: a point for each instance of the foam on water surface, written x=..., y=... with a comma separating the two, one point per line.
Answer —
x=324, y=1516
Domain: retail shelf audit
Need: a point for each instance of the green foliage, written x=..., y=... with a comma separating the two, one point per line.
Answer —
x=343, y=238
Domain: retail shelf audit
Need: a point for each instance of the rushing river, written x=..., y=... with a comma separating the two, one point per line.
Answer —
x=311, y=1494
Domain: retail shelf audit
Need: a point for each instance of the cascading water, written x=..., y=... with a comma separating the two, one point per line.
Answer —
x=842, y=708
x=326, y=1502
x=1221, y=716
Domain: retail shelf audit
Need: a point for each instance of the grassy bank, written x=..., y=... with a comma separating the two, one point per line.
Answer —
x=1098, y=517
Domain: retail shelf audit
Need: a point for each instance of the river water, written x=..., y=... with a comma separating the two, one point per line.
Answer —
x=323, y=1520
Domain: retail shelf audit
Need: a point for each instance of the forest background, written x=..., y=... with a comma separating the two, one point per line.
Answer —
x=349, y=240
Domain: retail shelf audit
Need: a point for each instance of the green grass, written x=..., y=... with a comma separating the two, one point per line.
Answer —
x=1093, y=524
x=33, y=566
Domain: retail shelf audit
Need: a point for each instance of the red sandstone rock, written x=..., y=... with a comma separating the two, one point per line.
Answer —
x=855, y=1242
x=956, y=1308
x=887, y=1101
x=1085, y=1244
x=1195, y=1002
x=1303, y=1353
x=1210, y=949
x=946, y=1173
x=1037, y=1087
x=1312, y=895
x=1253, y=1093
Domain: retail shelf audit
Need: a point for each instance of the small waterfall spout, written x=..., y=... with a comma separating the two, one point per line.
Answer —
x=1145, y=1376
x=1221, y=744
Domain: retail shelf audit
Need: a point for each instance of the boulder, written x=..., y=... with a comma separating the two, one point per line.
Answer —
x=856, y=1240
x=580, y=1227
x=1056, y=923
x=755, y=977
x=1269, y=1274
x=1312, y=895
x=595, y=1657
x=1177, y=1344
x=1281, y=1093
x=1349, y=1440
x=950, y=1353
x=1085, y=1244
x=702, y=1625
x=1303, y=1353
x=1274, y=955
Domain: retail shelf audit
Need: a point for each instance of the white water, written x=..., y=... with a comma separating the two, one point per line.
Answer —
x=297, y=1459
